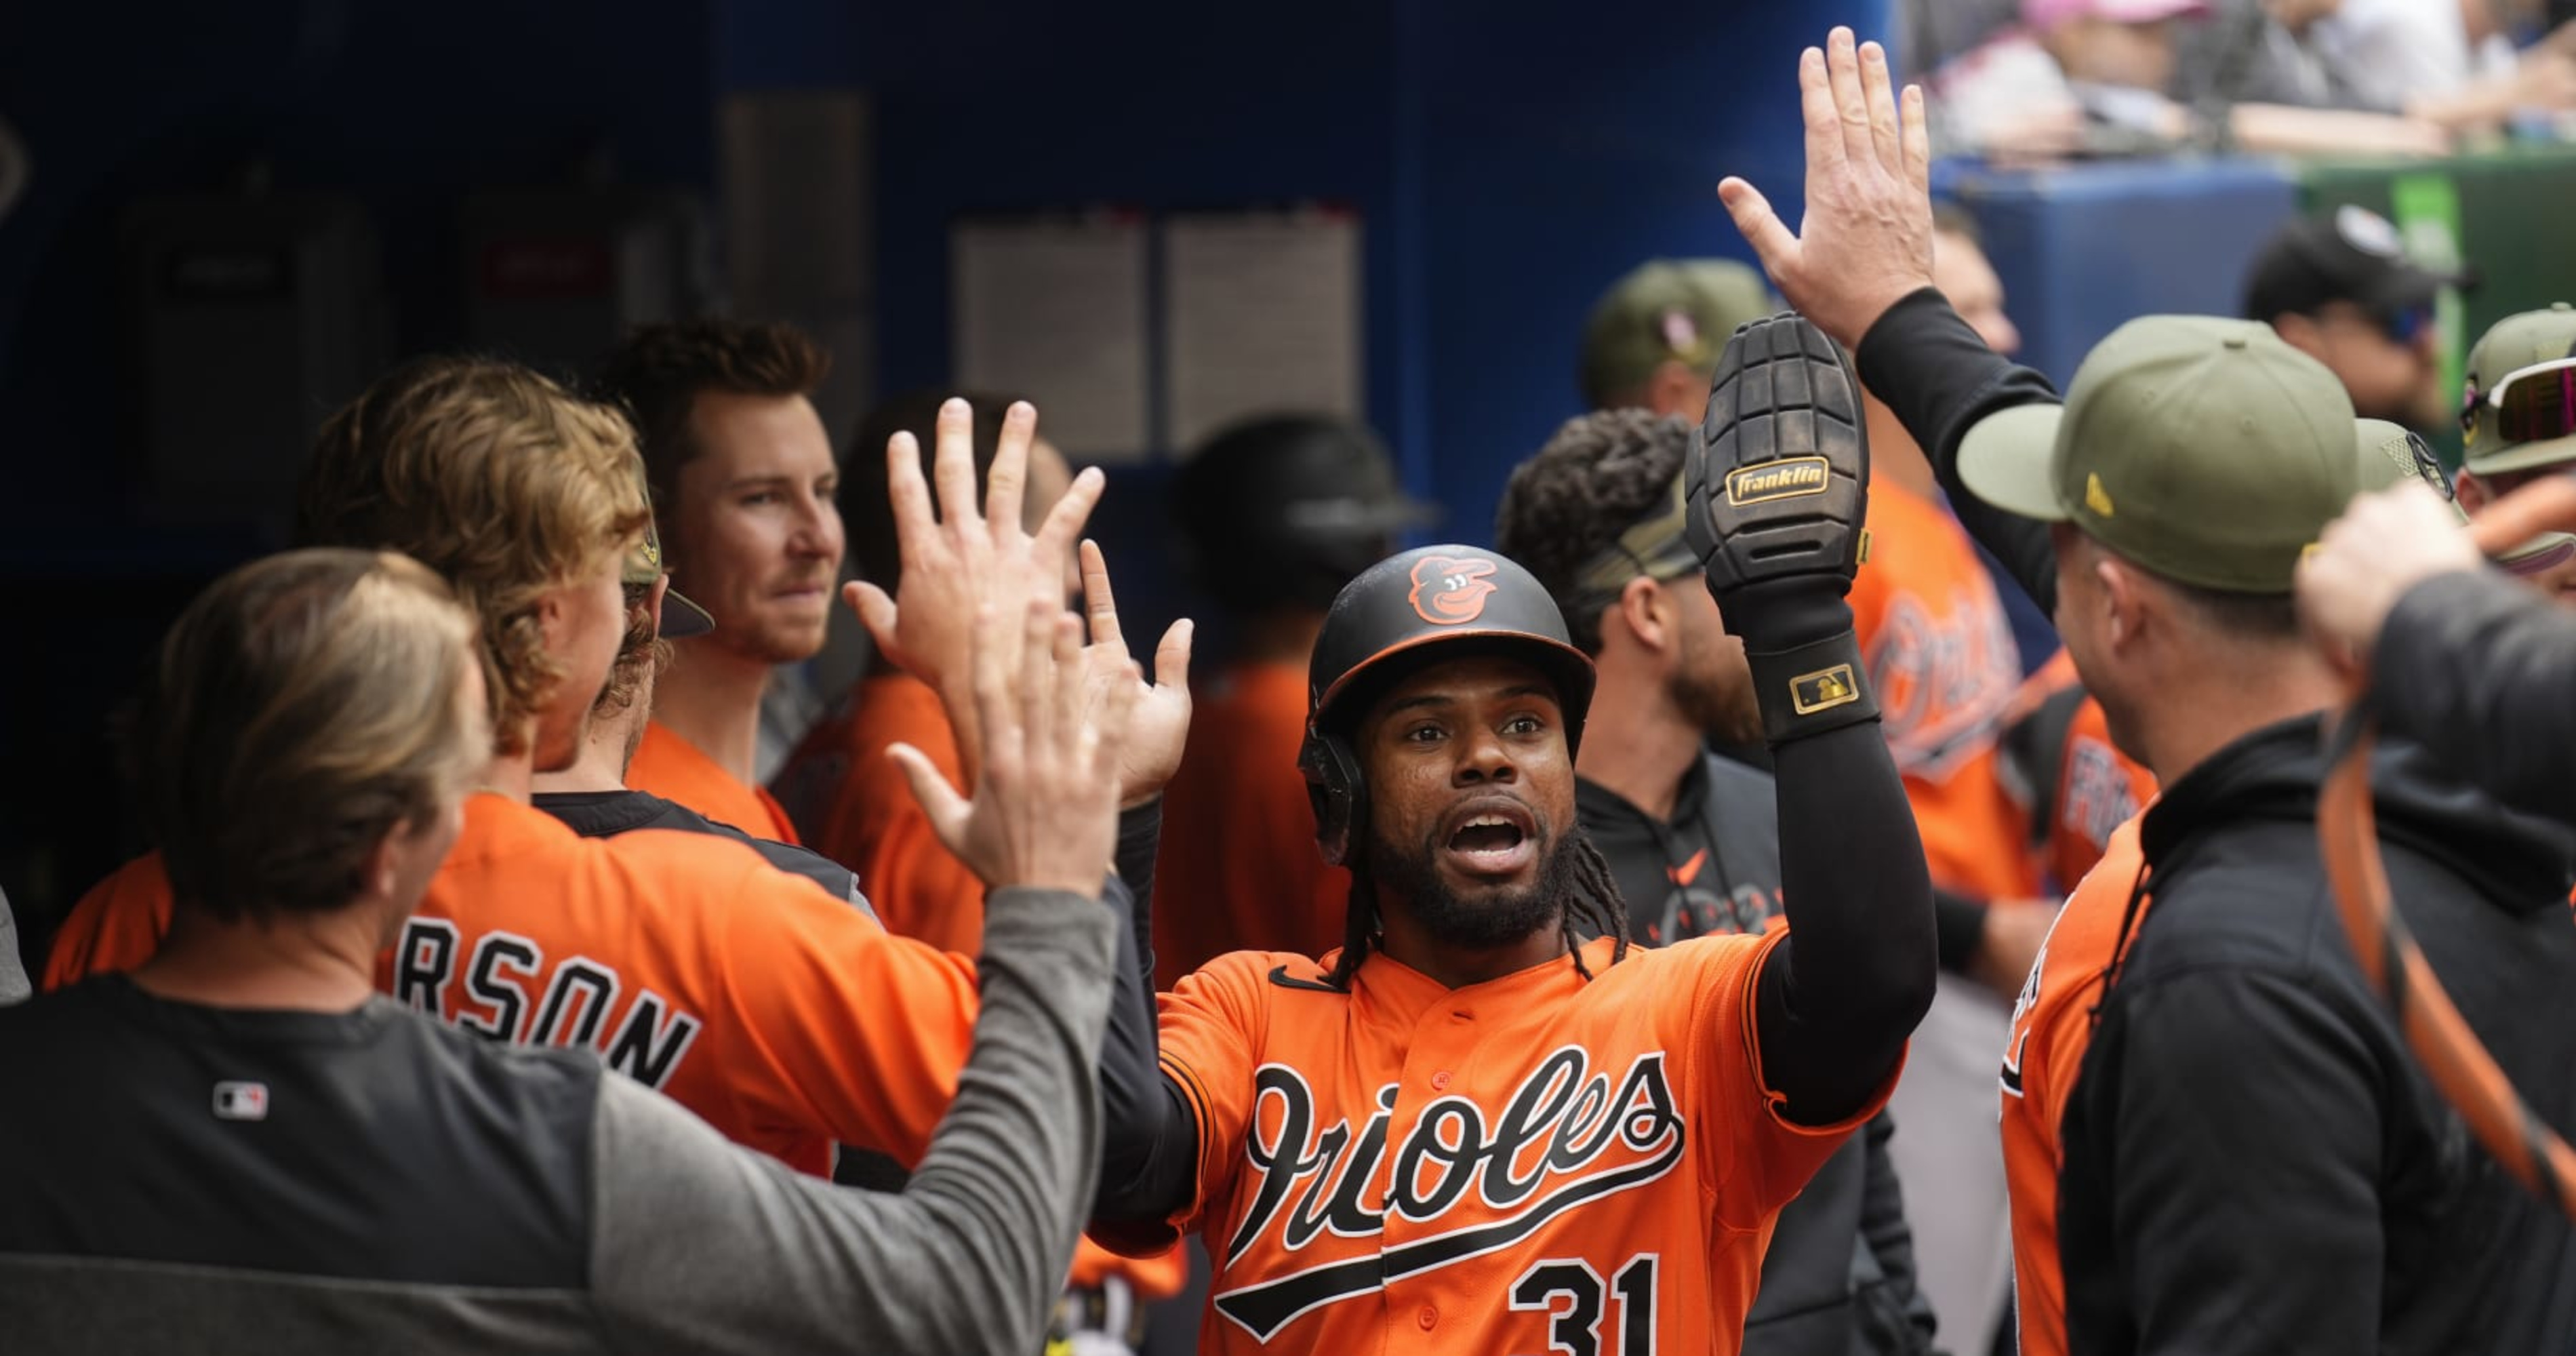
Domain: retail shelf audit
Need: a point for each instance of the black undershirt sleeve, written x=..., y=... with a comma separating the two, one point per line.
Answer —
x=1839, y=996
x=1149, y=1147
x=1939, y=379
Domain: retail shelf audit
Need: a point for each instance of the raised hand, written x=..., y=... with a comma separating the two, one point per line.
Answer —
x=2383, y=544
x=956, y=559
x=1160, y=725
x=1045, y=809
x=1866, y=239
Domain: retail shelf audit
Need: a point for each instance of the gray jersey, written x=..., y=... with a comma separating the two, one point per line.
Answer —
x=181, y=1177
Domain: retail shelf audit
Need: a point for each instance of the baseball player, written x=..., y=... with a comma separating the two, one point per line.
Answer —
x=743, y=478
x=591, y=796
x=2053, y=1021
x=1469, y=1129
x=241, y=1147
x=2516, y=425
x=1693, y=839
x=690, y=964
x=2253, y=1161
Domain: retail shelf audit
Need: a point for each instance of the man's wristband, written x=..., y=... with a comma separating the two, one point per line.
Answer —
x=1812, y=689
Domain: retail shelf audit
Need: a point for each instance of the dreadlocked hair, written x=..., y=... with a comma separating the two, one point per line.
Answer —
x=1596, y=905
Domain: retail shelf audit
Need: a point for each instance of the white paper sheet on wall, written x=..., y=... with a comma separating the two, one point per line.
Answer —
x=1054, y=309
x=1261, y=312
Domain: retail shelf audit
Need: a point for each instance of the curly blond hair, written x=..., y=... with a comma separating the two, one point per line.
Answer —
x=493, y=476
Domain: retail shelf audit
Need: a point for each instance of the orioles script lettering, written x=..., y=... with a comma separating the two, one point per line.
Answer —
x=1567, y=1135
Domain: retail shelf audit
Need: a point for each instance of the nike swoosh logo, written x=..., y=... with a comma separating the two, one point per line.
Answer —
x=1279, y=976
x=1688, y=871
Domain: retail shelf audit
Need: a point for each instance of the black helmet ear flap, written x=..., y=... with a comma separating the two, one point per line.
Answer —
x=1335, y=789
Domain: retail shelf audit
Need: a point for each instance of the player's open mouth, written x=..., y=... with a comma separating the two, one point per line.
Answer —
x=1491, y=837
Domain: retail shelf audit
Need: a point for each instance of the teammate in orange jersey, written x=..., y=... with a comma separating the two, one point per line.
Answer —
x=747, y=994
x=2074, y=784
x=846, y=797
x=1467, y=1130
x=2054, y=1018
x=743, y=479
x=1274, y=514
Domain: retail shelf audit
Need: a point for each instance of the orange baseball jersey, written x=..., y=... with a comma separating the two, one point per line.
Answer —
x=781, y=1015
x=671, y=767
x=1239, y=869
x=858, y=810
x=1538, y=1163
x=2052, y=1023
x=1942, y=662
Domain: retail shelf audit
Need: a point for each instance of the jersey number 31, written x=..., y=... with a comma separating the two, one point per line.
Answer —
x=1571, y=1290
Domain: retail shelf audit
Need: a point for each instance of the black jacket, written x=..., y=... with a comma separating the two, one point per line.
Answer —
x=2254, y=1161
x=2477, y=669
x=1839, y=1278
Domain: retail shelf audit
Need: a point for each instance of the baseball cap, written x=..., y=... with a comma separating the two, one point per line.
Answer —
x=681, y=618
x=2515, y=409
x=1666, y=310
x=2351, y=254
x=2206, y=450
x=2050, y=13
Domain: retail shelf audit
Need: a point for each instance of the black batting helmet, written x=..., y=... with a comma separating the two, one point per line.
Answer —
x=1422, y=607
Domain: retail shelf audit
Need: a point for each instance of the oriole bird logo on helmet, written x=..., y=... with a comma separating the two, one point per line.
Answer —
x=1450, y=590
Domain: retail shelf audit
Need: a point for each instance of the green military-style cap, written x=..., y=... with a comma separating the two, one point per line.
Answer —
x=2514, y=343
x=2206, y=450
x=680, y=618
x=1668, y=310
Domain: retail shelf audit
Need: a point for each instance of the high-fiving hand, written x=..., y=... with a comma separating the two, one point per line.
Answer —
x=957, y=559
x=1160, y=723
x=1866, y=239
x=1045, y=809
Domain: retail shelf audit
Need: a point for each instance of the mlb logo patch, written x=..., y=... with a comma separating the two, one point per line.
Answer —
x=241, y=1101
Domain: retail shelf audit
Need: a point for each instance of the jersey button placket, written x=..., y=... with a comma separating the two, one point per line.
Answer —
x=1429, y=1318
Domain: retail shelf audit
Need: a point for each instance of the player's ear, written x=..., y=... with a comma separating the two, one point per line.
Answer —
x=1647, y=612
x=378, y=876
x=2470, y=492
x=2124, y=599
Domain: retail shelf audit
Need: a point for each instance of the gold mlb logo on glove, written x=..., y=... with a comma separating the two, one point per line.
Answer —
x=1823, y=690
x=1786, y=478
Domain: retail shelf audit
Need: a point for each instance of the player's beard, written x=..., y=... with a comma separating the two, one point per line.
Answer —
x=1494, y=919
x=1717, y=703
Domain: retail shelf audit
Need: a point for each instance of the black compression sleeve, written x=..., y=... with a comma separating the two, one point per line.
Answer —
x=1839, y=995
x=1149, y=1146
x=1939, y=379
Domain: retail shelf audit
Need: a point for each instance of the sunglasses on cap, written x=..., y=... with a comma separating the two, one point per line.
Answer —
x=2532, y=404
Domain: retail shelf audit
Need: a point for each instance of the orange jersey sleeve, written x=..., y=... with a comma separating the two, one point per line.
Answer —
x=117, y=926
x=1538, y=1159
x=2052, y=1023
x=1239, y=870
x=1944, y=668
x=861, y=812
x=671, y=767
